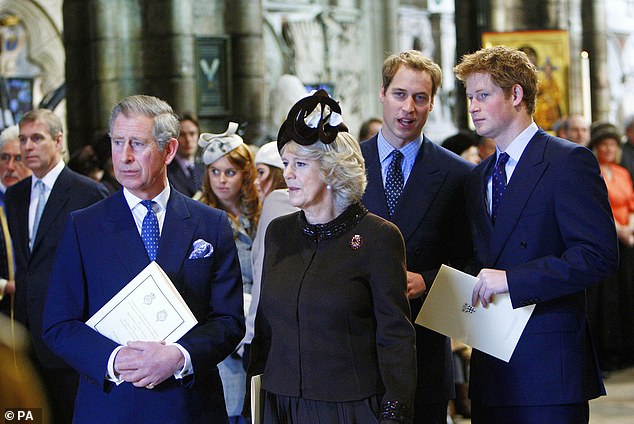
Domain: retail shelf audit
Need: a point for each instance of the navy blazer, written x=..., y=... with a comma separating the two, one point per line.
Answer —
x=555, y=237
x=101, y=251
x=71, y=191
x=432, y=218
x=182, y=182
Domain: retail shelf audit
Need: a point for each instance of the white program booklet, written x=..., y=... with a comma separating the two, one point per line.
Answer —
x=148, y=308
x=257, y=405
x=495, y=329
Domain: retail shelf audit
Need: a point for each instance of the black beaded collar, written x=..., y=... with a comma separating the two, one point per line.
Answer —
x=338, y=226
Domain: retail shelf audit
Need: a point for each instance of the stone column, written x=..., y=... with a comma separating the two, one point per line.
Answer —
x=117, y=48
x=391, y=22
x=575, y=29
x=470, y=18
x=595, y=38
x=518, y=15
x=244, y=22
x=103, y=62
x=168, y=46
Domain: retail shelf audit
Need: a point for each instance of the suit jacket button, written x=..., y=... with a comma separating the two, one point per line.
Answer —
x=523, y=245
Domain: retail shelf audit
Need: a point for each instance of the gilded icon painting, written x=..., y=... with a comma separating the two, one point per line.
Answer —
x=549, y=52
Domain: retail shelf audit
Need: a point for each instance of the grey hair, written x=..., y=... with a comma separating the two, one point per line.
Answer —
x=341, y=167
x=8, y=134
x=165, y=122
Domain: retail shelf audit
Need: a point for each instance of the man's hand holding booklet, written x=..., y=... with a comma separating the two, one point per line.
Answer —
x=148, y=308
x=495, y=329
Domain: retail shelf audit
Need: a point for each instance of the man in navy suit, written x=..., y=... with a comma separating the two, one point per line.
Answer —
x=543, y=233
x=429, y=212
x=184, y=173
x=102, y=250
x=37, y=208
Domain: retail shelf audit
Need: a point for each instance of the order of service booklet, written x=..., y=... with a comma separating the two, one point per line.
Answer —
x=257, y=406
x=148, y=308
x=495, y=329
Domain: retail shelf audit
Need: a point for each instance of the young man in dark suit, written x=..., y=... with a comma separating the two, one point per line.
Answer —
x=184, y=173
x=428, y=208
x=105, y=246
x=37, y=208
x=543, y=233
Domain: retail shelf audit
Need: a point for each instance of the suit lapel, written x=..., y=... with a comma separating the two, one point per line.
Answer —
x=374, y=197
x=119, y=227
x=177, y=235
x=423, y=184
x=22, y=217
x=483, y=198
x=54, y=205
x=526, y=175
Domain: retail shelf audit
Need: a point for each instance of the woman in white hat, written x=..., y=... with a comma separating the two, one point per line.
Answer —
x=229, y=184
x=270, y=168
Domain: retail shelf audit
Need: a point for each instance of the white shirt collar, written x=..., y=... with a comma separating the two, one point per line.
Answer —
x=517, y=146
x=50, y=178
x=161, y=199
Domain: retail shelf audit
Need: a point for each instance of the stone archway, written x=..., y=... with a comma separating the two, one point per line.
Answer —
x=45, y=45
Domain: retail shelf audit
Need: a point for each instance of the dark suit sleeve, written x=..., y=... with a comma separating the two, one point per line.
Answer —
x=66, y=311
x=583, y=223
x=395, y=337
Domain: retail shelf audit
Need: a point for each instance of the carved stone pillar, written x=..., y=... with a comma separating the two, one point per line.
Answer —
x=168, y=43
x=244, y=23
x=116, y=48
x=595, y=42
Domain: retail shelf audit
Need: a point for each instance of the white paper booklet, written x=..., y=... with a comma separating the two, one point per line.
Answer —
x=148, y=308
x=257, y=405
x=495, y=329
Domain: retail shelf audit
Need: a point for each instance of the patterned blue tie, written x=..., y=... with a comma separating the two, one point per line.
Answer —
x=394, y=181
x=150, y=230
x=498, y=183
x=39, y=209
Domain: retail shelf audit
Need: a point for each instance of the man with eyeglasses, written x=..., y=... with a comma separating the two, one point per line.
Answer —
x=37, y=208
x=12, y=169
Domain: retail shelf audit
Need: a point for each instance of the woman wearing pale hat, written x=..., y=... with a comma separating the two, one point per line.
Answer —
x=333, y=337
x=269, y=167
x=229, y=184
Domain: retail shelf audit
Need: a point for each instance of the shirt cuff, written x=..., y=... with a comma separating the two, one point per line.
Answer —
x=111, y=376
x=188, y=368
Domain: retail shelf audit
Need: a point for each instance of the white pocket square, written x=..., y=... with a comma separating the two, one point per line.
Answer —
x=201, y=249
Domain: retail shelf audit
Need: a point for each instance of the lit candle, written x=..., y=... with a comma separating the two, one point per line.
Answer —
x=585, y=87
